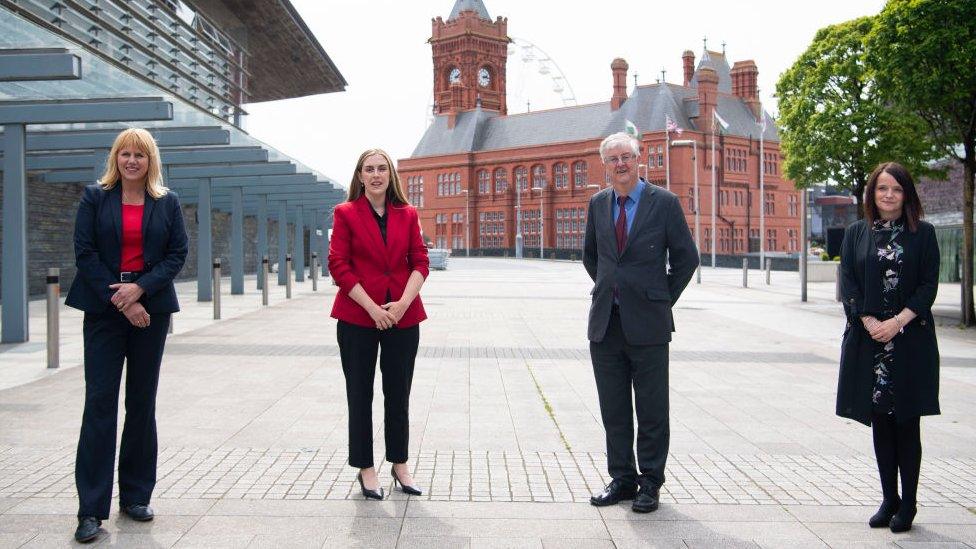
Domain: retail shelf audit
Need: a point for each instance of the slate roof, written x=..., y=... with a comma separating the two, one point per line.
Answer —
x=715, y=60
x=469, y=5
x=647, y=107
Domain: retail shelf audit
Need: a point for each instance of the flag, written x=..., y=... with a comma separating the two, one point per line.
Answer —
x=671, y=125
x=630, y=128
x=725, y=125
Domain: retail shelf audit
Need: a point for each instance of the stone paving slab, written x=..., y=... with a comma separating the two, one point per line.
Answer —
x=505, y=430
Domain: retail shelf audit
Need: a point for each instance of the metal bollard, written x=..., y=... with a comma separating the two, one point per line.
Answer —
x=264, y=284
x=288, y=276
x=315, y=272
x=838, y=296
x=53, y=309
x=745, y=272
x=769, y=268
x=698, y=274
x=169, y=330
x=216, y=288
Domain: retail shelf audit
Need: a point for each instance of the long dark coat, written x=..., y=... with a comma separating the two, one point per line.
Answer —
x=915, y=374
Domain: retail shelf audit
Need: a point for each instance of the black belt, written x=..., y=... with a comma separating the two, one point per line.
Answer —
x=130, y=276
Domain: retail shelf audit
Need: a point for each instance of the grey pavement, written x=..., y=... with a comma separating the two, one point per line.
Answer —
x=505, y=430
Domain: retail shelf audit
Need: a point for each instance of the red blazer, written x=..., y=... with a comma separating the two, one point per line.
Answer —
x=357, y=255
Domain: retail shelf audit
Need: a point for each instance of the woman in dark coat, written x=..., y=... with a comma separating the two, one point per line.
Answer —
x=889, y=370
x=130, y=242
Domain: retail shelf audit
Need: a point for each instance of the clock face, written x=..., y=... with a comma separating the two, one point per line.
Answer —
x=484, y=77
x=455, y=75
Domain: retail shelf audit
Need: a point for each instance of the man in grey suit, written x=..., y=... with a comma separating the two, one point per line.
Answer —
x=633, y=231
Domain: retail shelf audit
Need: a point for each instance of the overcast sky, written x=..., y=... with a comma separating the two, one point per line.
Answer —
x=380, y=47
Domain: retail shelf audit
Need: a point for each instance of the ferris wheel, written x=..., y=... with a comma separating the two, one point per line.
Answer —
x=534, y=80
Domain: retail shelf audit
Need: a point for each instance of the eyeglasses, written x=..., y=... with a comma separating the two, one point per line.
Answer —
x=382, y=168
x=622, y=159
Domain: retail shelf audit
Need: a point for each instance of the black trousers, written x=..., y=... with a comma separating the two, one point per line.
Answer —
x=898, y=449
x=358, y=347
x=623, y=370
x=109, y=340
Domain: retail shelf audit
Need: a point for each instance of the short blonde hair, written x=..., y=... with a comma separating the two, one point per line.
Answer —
x=394, y=193
x=143, y=141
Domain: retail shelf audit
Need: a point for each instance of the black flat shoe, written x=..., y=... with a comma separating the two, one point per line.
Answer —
x=367, y=493
x=410, y=490
x=882, y=519
x=614, y=493
x=88, y=528
x=647, y=499
x=137, y=511
x=902, y=521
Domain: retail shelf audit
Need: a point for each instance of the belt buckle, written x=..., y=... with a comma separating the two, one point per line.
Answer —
x=126, y=276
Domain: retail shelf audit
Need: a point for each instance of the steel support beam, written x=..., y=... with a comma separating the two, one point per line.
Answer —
x=262, y=233
x=104, y=138
x=14, y=327
x=39, y=64
x=299, y=256
x=237, y=242
x=282, y=242
x=64, y=111
x=204, y=243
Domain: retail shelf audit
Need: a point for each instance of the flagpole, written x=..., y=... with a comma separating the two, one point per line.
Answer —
x=714, y=188
x=667, y=156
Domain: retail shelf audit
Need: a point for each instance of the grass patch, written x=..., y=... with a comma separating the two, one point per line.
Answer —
x=548, y=406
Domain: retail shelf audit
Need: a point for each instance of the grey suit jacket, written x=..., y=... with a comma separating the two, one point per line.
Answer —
x=659, y=234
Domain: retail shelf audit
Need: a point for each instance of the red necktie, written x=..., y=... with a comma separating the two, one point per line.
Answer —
x=621, y=225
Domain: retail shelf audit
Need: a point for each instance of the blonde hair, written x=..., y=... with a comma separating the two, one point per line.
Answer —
x=393, y=193
x=142, y=141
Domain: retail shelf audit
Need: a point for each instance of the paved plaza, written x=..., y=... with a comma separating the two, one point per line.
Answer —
x=506, y=436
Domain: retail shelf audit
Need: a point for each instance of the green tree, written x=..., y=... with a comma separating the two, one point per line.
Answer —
x=834, y=125
x=923, y=53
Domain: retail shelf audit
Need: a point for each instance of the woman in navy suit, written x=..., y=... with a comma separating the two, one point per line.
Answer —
x=379, y=262
x=130, y=242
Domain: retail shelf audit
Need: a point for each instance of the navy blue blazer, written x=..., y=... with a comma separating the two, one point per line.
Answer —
x=98, y=250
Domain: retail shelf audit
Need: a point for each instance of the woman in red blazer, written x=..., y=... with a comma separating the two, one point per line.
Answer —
x=379, y=262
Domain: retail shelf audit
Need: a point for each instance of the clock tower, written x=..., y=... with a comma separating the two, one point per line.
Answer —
x=470, y=51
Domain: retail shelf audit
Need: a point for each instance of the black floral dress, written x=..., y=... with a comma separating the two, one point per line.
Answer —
x=887, y=237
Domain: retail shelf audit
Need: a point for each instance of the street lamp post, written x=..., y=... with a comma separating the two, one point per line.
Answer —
x=467, y=216
x=596, y=189
x=542, y=221
x=694, y=162
x=518, y=220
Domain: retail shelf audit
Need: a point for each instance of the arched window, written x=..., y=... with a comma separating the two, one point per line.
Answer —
x=521, y=178
x=538, y=176
x=560, y=175
x=501, y=181
x=579, y=174
x=483, y=184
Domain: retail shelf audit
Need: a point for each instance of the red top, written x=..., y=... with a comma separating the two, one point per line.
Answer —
x=131, y=238
x=358, y=255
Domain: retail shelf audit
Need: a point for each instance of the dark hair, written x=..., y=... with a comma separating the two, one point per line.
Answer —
x=911, y=208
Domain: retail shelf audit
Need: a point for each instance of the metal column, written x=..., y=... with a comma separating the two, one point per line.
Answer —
x=237, y=241
x=14, y=292
x=282, y=242
x=204, y=243
x=262, y=232
x=300, y=244
x=325, y=246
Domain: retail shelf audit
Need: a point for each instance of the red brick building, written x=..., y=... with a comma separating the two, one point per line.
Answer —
x=476, y=162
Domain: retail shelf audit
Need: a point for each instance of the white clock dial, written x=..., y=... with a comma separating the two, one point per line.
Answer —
x=455, y=75
x=484, y=77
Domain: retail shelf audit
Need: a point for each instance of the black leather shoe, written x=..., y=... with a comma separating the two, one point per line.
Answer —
x=614, y=493
x=882, y=519
x=410, y=490
x=88, y=528
x=647, y=499
x=137, y=511
x=367, y=493
x=902, y=521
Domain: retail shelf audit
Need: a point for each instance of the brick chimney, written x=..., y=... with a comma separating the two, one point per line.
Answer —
x=745, y=75
x=707, y=97
x=688, y=62
x=619, y=68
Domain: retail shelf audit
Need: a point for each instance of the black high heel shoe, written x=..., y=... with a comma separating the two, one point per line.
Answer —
x=410, y=490
x=902, y=521
x=882, y=519
x=367, y=493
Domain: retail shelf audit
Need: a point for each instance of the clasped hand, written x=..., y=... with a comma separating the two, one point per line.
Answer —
x=387, y=315
x=137, y=315
x=126, y=293
x=881, y=331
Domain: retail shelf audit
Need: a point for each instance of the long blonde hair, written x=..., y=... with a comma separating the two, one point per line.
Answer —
x=393, y=192
x=143, y=141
